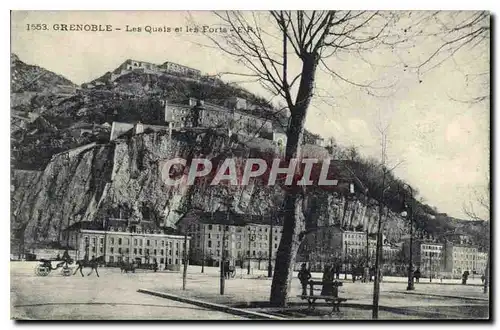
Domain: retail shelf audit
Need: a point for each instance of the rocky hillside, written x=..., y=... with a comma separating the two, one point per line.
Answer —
x=32, y=78
x=124, y=177
x=65, y=170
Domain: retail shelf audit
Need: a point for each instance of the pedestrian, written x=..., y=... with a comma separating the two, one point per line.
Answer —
x=417, y=275
x=465, y=276
x=304, y=277
x=327, y=289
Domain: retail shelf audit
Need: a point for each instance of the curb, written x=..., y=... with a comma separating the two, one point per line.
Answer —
x=213, y=306
x=442, y=296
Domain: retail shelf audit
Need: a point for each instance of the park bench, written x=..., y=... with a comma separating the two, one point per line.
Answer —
x=334, y=299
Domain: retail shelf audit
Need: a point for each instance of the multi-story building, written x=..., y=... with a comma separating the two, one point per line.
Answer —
x=333, y=244
x=247, y=238
x=428, y=256
x=171, y=67
x=460, y=258
x=147, y=67
x=481, y=262
x=127, y=240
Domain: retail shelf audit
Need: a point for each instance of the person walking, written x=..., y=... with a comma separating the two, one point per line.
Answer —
x=304, y=277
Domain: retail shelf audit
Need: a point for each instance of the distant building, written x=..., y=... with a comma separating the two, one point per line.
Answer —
x=481, y=262
x=247, y=238
x=147, y=67
x=460, y=258
x=125, y=240
x=428, y=256
x=180, y=69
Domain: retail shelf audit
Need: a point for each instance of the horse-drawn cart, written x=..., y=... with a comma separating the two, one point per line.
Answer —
x=44, y=268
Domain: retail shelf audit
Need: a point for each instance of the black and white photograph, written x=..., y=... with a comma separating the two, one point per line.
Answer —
x=250, y=165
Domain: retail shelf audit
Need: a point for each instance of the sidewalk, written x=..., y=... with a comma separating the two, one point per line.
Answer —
x=254, y=293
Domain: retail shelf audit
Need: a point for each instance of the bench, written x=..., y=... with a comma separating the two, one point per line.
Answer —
x=334, y=299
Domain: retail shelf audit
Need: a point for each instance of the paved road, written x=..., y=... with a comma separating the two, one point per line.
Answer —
x=111, y=296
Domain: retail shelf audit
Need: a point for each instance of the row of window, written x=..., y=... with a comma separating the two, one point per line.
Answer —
x=126, y=241
x=136, y=251
x=431, y=247
x=193, y=227
x=127, y=259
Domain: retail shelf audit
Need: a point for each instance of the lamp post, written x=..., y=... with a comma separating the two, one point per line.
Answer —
x=410, y=215
x=251, y=238
x=345, y=262
x=270, y=251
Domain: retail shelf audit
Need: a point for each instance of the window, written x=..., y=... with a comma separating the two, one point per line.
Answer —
x=162, y=243
x=120, y=250
x=238, y=245
x=135, y=241
x=112, y=249
x=177, y=245
x=176, y=261
x=218, y=253
x=101, y=241
x=111, y=259
x=162, y=260
x=209, y=236
x=218, y=243
x=209, y=228
x=147, y=243
x=140, y=251
x=93, y=249
x=275, y=246
x=161, y=252
x=135, y=251
x=253, y=252
x=220, y=228
x=170, y=244
x=101, y=249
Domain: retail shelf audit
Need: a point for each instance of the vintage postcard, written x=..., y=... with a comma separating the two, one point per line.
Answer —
x=250, y=165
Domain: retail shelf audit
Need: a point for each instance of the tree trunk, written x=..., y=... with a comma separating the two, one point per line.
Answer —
x=293, y=223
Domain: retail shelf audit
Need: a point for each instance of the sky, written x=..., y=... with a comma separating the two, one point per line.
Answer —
x=440, y=141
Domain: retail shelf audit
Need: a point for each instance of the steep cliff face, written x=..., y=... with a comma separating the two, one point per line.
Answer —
x=124, y=178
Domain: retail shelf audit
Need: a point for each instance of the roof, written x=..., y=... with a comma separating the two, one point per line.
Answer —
x=121, y=223
x=224, y=218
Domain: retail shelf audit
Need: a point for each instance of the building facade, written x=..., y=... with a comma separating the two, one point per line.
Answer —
x=428, y=256
x=242, y=238
x=481, y=262
x=460, y=258
x=121, y=240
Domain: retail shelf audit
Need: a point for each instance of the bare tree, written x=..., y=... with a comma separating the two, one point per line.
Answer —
x=477, y=210
x=283, y=50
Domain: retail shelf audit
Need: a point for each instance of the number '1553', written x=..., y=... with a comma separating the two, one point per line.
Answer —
x=37, y=27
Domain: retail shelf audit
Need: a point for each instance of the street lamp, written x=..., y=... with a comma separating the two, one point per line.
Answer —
x=409, y=206
x=251, y=238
